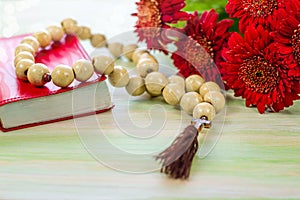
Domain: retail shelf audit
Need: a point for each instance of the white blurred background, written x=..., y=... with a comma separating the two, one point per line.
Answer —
x=109, y=17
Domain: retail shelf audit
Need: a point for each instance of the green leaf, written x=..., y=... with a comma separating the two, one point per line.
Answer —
x=202, y=5
x=205, y=5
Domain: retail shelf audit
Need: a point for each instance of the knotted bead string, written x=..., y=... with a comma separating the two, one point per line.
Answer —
x=195, y=96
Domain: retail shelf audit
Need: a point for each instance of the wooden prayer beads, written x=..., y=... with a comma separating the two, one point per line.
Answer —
x=203, y=100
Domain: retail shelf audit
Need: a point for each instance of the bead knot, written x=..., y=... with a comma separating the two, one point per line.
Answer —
x=47, y=77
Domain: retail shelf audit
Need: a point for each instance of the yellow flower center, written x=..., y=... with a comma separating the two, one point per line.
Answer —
x=259, y=8
x=296, y=44
x=197, y=55
x=259, y=75
x=149, y=17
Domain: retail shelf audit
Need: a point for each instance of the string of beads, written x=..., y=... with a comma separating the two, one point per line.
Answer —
x=195, y=96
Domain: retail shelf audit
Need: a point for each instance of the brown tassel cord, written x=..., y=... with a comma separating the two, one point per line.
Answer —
x=177, y=159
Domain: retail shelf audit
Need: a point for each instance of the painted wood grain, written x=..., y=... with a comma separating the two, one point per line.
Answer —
x=257, y=156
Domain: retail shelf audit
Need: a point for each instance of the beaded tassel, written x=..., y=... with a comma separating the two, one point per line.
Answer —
x=177, y=159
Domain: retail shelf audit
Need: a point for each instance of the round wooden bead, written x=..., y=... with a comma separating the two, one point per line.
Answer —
x=172, y=93
x=189, y=100
x=32, y=41
x=98, y=40
x=116, y=49
x=204, y=109
x=119, y=77
x=148, y=56
x=83, y=70
x=177, y=80
x=208, y=86
x=155, y=82
x=103, y=64
x=84, y=32
x=36, y=73
x=146, y=66
x=193, y=83
x=24, y=47
x=22, y=68
x=62, y=76
x=137, y=54
x=136, y=86
x=128, y=50
x=56, y=32
x=23, y=55
x=215, y=98
x=43, y=37
x=69, y=26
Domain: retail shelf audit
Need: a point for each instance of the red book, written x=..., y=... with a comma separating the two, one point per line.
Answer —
x=23, y=105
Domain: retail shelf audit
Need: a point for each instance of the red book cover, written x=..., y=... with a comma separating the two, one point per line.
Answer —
x=13, y=90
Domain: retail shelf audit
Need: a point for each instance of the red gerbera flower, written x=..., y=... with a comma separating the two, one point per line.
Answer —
x=254, y=12
x=287, y=36
x=255, y=71
x=154, y=16
x=199, y=52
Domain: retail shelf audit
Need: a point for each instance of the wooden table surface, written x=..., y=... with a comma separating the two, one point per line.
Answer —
x=110, y=155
